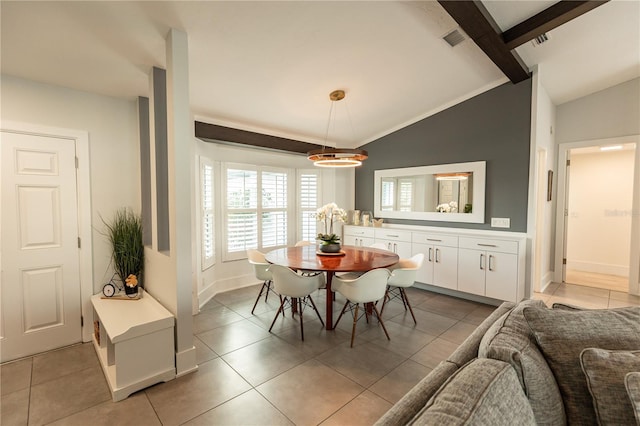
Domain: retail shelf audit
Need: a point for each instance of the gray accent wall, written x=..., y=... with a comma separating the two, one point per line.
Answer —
x=494, y=127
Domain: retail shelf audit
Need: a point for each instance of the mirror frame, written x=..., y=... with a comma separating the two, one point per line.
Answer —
x=479, y=176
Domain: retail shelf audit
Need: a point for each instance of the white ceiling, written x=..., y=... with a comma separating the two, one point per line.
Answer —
x=270, y=66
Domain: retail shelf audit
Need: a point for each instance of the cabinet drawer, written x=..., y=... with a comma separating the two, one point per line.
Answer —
x=435, y=239
x=393, y=235
x=359, y=231
x=501, y=246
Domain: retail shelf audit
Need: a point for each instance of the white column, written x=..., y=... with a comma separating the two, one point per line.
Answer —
x=181, y=156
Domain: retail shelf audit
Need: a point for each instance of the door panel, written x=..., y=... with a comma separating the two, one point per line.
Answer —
x=40, y=258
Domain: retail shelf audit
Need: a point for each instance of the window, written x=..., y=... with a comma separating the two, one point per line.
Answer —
x=274, y=209
x=206, y=214
x=308, y=203
x=405, y=202
x=257, y=209
x=387, y=199
x=242, y=210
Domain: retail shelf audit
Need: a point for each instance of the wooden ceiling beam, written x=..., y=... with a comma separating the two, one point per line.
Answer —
x=550, y=18
x=215, y=133
x=475, y=20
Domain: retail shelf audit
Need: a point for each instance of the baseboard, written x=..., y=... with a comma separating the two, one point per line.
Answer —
x=186, y=362
x=459, y=294
x=220, y=286
x=598, y=268
x=546, y=280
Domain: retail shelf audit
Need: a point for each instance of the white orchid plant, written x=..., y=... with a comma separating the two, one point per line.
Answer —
x=328, y=214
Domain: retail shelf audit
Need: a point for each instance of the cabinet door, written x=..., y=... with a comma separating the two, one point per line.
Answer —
x=502, y=276
x=350, y=240
x=445, y=267
x=471, y=271
x=425, y=273
x=401, y=248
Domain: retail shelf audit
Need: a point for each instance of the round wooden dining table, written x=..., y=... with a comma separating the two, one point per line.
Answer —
x=350, y=259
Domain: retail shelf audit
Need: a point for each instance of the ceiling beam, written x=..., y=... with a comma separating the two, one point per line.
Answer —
x=215, y=133
x=476, y=21
x=550, y=18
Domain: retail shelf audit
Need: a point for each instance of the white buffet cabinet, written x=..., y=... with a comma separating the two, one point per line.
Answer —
x=484, y=263
x=135, y=347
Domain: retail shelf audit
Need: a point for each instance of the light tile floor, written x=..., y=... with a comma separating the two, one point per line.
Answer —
x=247, y=375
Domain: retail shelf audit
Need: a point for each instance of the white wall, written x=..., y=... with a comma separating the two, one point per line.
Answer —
x=606, y=114
x=112, y=125
x=540, y=215
x=600, y=202
x=337, y=186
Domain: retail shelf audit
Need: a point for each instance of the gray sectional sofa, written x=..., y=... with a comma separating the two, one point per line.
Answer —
x=528, y=364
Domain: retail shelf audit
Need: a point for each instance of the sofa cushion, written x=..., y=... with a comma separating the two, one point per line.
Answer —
x=485, y=391
x=418, y=396
x=562, y=335
x=605, y=372
x=632, y=383
x=468, y=350
x=510, y=340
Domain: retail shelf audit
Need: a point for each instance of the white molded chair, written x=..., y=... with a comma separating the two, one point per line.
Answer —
x=305, y=272
x=261, y=270
x=367, y=288
x=403, y=275
x=291, y=286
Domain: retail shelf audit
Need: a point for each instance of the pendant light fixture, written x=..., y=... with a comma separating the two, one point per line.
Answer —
x=336, y=157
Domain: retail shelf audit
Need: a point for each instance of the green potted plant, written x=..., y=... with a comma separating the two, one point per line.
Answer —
x=125, y=235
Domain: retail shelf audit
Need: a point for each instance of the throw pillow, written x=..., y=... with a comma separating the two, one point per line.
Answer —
x=510, y=340
x=632, y=383
x=605, y=372
x=562, y=335
x=483, y=392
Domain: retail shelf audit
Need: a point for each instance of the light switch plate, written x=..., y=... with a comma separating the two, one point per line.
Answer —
x=500, y=222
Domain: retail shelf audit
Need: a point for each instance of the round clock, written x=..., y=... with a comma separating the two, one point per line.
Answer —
x=109, y=290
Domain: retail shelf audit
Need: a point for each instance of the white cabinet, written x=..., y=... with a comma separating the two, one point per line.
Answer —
x=457, y=260
x=489, y=267
x=357, y=236
x=134, y=343
x=440, y=266
x=396, y=240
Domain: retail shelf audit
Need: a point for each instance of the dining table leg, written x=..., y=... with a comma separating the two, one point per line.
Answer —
x=329, y=305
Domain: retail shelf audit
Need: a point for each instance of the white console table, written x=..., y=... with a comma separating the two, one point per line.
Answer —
x=136, y=348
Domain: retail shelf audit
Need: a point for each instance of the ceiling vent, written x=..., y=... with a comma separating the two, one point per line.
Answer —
x=454, y=37
x=542, y=38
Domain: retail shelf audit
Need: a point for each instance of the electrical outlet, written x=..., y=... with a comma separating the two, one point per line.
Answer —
x=500, y=222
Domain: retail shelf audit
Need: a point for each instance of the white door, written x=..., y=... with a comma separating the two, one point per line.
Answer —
x=40, y=279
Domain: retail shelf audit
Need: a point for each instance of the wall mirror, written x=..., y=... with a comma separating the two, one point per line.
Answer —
x=445, y=192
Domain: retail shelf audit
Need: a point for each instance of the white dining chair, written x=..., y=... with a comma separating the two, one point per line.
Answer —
x=403, y=275
x=293, y=288
x=365, y=289
x=303, y=243
x=261, y=271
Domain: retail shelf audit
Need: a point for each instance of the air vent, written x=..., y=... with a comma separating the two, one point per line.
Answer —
x=542, y=38
x=454, y=37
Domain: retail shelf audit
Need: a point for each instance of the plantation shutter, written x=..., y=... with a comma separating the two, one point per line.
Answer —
x=308, y=200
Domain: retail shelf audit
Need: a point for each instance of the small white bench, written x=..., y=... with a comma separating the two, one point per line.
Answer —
x=136, y=347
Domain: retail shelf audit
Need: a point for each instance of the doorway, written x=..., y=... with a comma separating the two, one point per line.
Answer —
x=597, y=220
x=45, y=219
